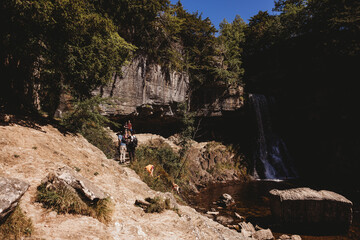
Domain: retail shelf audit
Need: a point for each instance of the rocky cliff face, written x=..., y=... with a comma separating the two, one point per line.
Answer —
x=149, y=96
x=217, y=100
x=144, y=89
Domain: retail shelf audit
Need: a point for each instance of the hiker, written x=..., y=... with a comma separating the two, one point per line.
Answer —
x=175, y=187
x=150, y=169
x=131, y=144
x=128, y=126
x=122, y=147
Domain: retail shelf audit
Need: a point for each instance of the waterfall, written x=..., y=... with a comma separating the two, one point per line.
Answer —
x=271, y=157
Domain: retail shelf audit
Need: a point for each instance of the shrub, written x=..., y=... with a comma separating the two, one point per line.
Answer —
x=166, y=161
x=66, y=200
x=156, y=205
x=101, y=139
x=87, y=120
x=62, y=200
x=16, y=226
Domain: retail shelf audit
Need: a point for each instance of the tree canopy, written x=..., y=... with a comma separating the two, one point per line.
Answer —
x=48, y=47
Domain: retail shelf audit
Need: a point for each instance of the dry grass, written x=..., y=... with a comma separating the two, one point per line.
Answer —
x=66, y=200
x=16, y=226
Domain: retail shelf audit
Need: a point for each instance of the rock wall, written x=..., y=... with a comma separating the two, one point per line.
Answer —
x=149, y=96
x=217, y=99
x=212, y=162
x=143, y=88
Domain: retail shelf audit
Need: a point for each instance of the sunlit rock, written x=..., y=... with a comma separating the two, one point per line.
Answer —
x=11, y=190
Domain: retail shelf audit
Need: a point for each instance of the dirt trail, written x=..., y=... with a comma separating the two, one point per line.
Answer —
x=30, y=154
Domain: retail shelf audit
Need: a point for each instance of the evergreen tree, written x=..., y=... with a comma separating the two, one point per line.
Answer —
x=55, y=46
x=232, y=40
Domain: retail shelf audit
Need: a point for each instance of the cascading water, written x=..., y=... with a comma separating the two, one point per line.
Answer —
x=271, y=158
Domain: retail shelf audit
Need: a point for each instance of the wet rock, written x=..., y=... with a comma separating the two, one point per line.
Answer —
x=225, y=200
x=305, y=206
x=284, y=237
x=247, y=229
x=263, y=234
x=236, y=227
x=65, y=176
x=238, y=216
x=11, y=190
x=212, y=213
x=287, y=237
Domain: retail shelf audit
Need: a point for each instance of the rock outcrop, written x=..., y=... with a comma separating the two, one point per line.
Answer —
x=250, y=231
x=225, y=200
x=65, y=176
x=208, y=162
x=11, y=190
x=305, y=206
x=214, y=101
x=144, y=89
x=211, y=162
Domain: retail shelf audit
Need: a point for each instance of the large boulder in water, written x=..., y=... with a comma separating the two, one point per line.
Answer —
x=11, y=190
x=311, y=208
x=225, y=200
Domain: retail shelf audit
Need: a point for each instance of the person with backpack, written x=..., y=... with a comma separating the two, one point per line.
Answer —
x=122, y=147
x=131, y=145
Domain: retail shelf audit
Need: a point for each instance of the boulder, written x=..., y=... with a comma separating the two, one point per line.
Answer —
x=224, y=220
x=11, y=190
x=263, y=234
x=225, y=200
x=311, y=208
x=65, y=176
x=287, y=237
x=238, y=216
x=247, y=229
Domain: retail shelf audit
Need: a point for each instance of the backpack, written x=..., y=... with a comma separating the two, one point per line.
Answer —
x=134, y=141
x=123, y=140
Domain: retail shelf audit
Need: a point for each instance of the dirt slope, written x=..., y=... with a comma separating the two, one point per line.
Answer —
x=30, y=154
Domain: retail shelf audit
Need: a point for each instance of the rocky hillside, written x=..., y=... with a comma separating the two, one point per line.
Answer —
x=207, y=162
x=31, y=153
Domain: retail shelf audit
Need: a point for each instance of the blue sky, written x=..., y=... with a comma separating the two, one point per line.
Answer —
x=217, y=10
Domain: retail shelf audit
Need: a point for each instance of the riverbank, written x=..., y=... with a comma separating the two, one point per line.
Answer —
x=253, y=203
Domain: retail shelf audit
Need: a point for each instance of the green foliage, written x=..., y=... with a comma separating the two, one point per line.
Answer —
x=87, y=120
x=263, y=32
x=102, y=210
x=199, y=47
x=62, y=200
x=338, y=22
x=156, y=205
x=331, y=25
x=16, y=226
x=232, y=40
x=65, y=200
x=49, y=46
x=166, y=165
x=188, y=122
